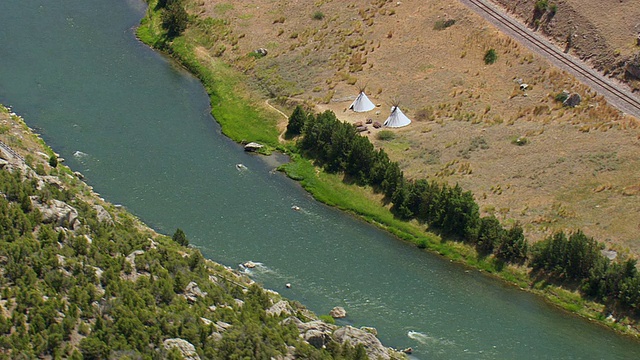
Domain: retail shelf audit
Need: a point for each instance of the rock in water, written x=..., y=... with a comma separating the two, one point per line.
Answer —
x=253, y=146
x=338, y=312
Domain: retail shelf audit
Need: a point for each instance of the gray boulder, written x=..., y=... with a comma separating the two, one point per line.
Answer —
x=373, y=346
x=338, y=312
x=103, y=215
x=186, y=348
x=253, y=146
x=633, y=66
x=317, y=333
x=573, y=100
x=192, y=292
x=317, y=338
x=280, y=308
x=57, y=212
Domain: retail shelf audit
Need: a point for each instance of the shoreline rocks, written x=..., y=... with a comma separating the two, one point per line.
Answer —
x=338, y=312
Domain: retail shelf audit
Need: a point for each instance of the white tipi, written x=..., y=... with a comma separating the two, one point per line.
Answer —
x=397, y=118
x=362, y=103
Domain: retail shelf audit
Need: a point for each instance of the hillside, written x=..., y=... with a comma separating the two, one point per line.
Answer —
x=573, y=168
x=606, y=34
x=82, y=279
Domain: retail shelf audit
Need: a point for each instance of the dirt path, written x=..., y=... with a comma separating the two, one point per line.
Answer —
x=617, y=94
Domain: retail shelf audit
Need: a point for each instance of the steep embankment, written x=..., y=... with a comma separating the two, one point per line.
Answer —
x=81, y=278
x=607, y=34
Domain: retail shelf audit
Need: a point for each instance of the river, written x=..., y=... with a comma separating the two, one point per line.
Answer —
x=139, y=128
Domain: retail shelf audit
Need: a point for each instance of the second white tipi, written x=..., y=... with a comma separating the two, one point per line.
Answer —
x=362, y=103
x=397, y=118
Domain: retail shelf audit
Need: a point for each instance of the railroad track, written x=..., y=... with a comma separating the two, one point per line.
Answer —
x=11, y=152
x=616, y=94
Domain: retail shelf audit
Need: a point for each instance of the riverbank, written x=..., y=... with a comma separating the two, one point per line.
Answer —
x=221, y=82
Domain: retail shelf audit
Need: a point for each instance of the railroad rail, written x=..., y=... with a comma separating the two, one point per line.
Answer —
x=615, y=93
x=11, y=152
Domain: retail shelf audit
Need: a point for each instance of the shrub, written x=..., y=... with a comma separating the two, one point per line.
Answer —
x=386, y=135
x=541, y=6
x=443, y=24
x=256, y=55
x=53, y=161
x=520, y=141
x=561, y=97
x=318, y=15
x=328, y=319
x=426, y=113
x=490, y=56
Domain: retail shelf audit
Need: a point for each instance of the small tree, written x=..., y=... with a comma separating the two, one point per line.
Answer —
x=490, y=56
x=53, y=161
x=174, y=19
x=180, y=237
x=296, y=121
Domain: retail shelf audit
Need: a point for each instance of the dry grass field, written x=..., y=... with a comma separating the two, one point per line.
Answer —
x=572, y=168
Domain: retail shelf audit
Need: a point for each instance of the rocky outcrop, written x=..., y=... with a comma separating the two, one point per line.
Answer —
x=253, y=146
x=633, y=67
x=282, y=307
x=103, y=215
x=319, y=334
x=373, y=346
x=57, y=212
x=338, y=312
x=192, y=292
x=573, y=100
x=187, y=350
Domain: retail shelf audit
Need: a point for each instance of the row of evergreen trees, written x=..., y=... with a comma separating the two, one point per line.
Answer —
x=338, y=148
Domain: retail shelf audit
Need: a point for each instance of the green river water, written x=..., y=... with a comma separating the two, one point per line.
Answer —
x=139, y=128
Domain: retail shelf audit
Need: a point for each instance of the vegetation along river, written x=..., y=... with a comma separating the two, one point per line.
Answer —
x=139, y=128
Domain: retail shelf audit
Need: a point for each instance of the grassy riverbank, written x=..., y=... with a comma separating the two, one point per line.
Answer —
x=240, y=110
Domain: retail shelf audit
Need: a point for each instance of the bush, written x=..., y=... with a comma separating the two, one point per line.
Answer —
x=490, y=56
x=318, y=15
x=328, y=319
x=53, y=161
x=443, y=24
x=386, y=135
x=426, y=113
x=520, y=141
x=561, y=97
x=541, y=6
